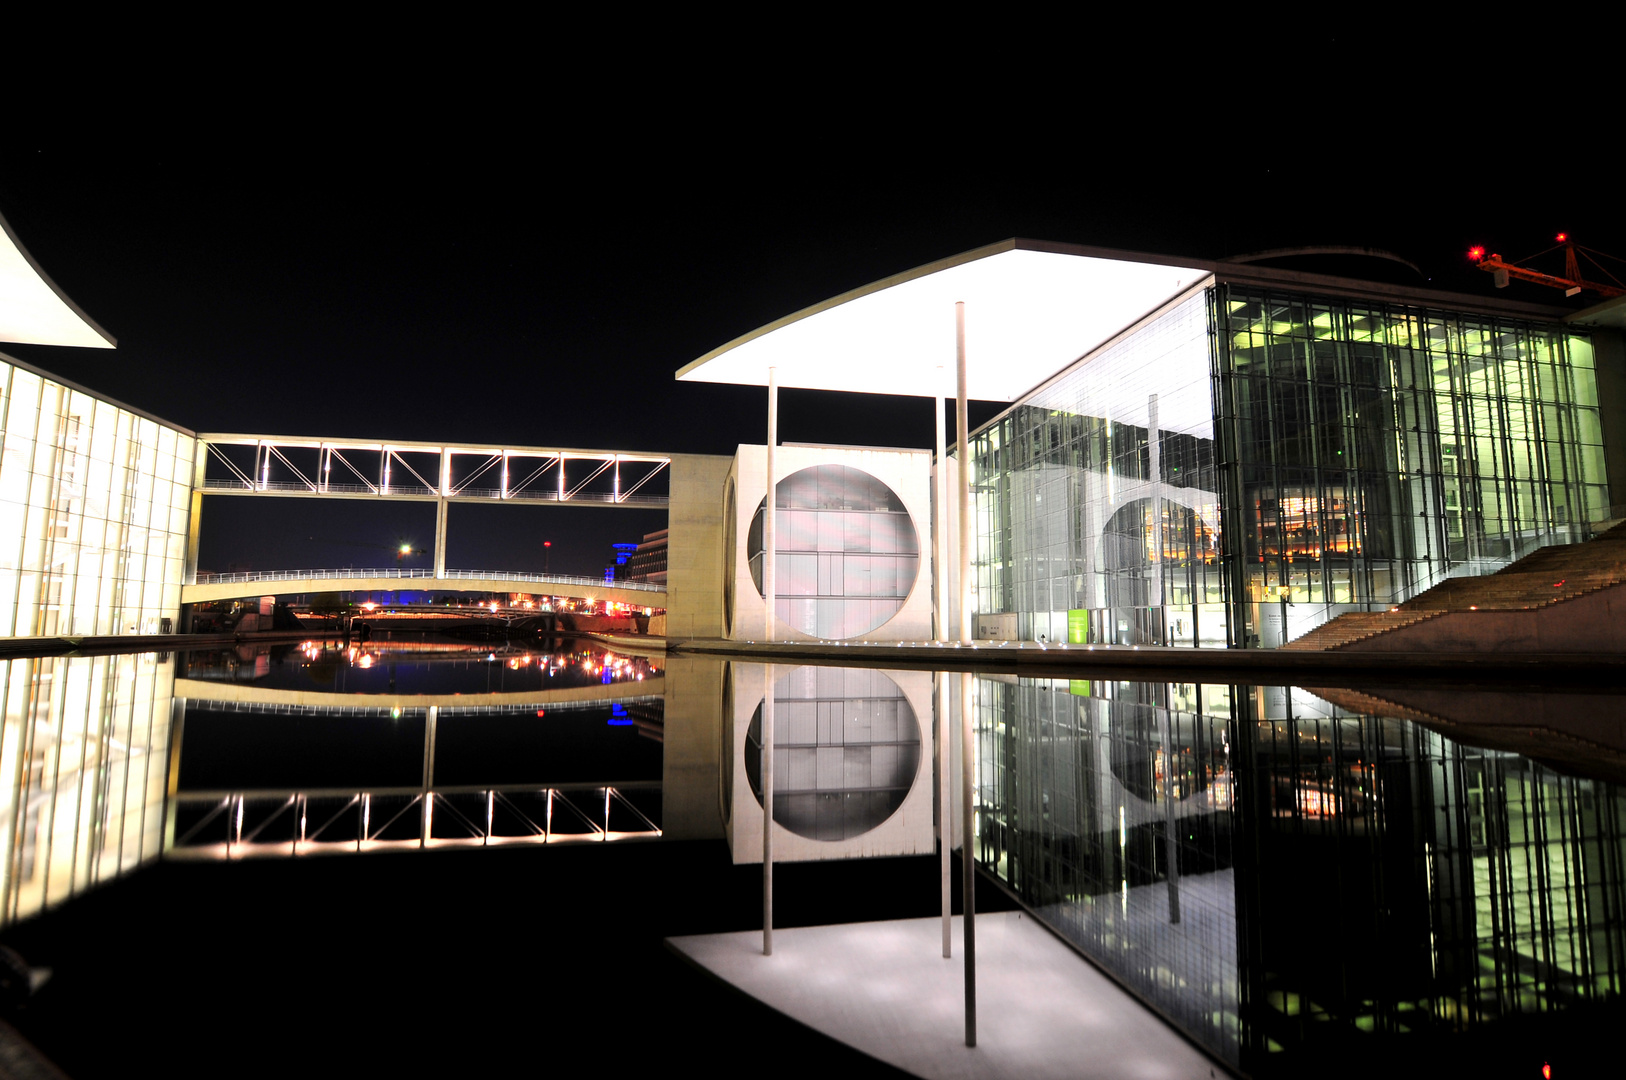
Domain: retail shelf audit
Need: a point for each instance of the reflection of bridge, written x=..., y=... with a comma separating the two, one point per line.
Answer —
x=384, y=579
x=240, y=824
x=441, y=473
x=249, y=694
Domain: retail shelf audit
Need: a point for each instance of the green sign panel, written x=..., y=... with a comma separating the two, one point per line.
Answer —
x=1078, y=627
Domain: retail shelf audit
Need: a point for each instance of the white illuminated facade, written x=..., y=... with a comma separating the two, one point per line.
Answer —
x=94, y=511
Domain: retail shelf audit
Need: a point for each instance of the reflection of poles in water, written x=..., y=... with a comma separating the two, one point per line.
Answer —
x=770, y=563
x=1171, y=833
x=945, y=808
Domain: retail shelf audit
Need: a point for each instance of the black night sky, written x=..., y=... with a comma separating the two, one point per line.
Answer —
x=541, y=288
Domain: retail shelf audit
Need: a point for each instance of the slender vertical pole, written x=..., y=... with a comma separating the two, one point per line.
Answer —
x=940, y=632
x=940, y=608
x=1171, y=831
x=945, y=807
x=968, y=858
x=1154, y=454
x=769, y=543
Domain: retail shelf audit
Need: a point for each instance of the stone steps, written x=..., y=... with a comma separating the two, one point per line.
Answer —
x=1356, y=626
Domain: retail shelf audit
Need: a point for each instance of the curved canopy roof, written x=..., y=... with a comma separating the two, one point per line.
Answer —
x=1032, y=308
x=33, y=311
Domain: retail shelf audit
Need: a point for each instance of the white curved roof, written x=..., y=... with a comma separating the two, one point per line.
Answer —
x=33, y=311
x=1032, y=308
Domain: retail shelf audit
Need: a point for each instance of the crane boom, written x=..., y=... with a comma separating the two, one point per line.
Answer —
x=1572, y=284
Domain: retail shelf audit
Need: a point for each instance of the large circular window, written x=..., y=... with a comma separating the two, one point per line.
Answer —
x=846, y=750
x=847, y=552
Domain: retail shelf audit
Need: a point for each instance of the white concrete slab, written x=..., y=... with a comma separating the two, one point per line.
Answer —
x=885, y=989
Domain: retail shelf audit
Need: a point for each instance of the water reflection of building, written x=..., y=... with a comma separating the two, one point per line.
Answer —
x=1277, y=886
x=84, y=766
x=852, y=762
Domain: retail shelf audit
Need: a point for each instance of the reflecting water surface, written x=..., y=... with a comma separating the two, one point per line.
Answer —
x=1290, y=877
x=409, y=665
x=1283, y=878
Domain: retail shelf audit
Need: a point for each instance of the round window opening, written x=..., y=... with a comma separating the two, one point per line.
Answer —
x=846, y=751
x=847, y=552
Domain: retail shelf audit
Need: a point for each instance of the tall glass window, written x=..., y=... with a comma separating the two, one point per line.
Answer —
x=94, y=506
x=1245, y=465
x=1371, y=451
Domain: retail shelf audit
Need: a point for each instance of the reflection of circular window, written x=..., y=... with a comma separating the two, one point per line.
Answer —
x=846, y=749
x=847, y=551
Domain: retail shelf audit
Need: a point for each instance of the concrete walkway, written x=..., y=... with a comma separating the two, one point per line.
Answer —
x=885, y=989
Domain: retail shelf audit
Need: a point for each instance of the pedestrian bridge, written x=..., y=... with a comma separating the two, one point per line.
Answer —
x=379, y=579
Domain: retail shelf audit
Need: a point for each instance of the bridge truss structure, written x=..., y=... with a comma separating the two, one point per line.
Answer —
x=442, y=473
x=249, y=824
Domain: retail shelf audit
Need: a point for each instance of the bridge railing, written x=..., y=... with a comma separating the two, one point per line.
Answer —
x=418, y=490
x=424, y=574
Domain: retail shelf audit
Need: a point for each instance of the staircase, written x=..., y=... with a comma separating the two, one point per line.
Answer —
x=1355, y=626
x=1545, y=576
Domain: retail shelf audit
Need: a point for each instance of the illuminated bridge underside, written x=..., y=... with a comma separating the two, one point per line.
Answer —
x=208, y=690
x=316, y=581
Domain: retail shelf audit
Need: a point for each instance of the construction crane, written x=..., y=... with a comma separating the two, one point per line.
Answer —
x=1572, y=282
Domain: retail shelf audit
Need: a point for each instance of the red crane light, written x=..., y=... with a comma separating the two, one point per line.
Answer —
x=1476, y=253
x=1563, y=237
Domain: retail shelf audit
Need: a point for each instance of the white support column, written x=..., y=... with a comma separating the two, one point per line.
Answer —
x=505, y=474
x=442, y=511
x=561, y=476
x=769, y=540
x=428, y=774
x=968, y=857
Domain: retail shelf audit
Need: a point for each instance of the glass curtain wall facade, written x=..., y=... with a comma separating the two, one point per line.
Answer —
x=94, y=511
x=1282, y=889
x=1087, y=528
x=1245, y=465
x=84, y=766
x=1371, y=451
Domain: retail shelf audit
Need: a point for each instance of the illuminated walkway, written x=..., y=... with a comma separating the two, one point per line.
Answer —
x=884, y=988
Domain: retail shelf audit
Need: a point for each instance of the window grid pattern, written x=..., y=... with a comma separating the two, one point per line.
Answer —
x=1372, y=451
x=94, y=510
x=1067, y=515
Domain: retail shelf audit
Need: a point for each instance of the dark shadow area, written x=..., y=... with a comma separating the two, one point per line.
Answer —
x=563, y=747
x=242, y=750
x=250, y=532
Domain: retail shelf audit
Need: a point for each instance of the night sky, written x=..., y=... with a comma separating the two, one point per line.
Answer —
x=543, y=288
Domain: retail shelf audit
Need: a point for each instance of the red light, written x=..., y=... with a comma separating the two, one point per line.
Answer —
x=1476, y=253
x=1563, y=237
x=547, y=543
x=541, y=712
x=1546, y=1071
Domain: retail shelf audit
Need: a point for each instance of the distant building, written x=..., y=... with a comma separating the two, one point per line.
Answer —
x=648, y=561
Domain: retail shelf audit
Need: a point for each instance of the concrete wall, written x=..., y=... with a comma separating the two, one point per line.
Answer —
x=1594, y=623
x=1609, y=354
x=694, y=554
x=906, y=472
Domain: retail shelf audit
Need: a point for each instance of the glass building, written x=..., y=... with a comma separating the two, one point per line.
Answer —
x=95, y=503
x=1250, y=461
